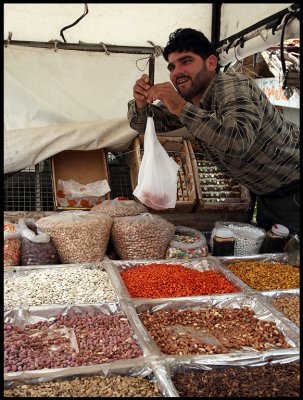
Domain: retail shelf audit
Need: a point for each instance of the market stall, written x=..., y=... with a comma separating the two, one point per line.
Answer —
x=104, y=295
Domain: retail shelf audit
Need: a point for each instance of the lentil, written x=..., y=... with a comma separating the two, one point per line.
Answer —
x=173, y=280
x=211, y=331
x=105, y=386
x=266, y=275
x=270, y=380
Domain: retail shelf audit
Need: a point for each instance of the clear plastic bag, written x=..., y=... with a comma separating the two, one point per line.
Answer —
x=27, y=228
x=79, y=236
x=248, y=238
x=12, y=245
x=74, y=194
x=157, y=179
x=187, y=243
x=143, y=236
x=36, y=246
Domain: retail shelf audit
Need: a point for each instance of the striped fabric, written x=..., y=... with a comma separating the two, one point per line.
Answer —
x=238, y=129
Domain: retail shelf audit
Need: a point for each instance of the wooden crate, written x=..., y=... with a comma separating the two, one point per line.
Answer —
x=83, y=166
x=235, y=199
x=186, y=195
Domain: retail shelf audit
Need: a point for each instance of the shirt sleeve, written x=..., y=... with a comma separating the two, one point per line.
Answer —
x=163, y=119
x=232, y=125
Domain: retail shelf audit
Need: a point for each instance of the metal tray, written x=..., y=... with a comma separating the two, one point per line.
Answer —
x=27, y=270
x=139, y=368
x=269, y=294
x=235, y=300
x=114, y=269
x=22, y=316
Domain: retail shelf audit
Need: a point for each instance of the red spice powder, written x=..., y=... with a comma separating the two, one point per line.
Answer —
x=173, y=280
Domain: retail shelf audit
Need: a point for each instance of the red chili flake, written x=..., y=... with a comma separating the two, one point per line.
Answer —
x=173, y=280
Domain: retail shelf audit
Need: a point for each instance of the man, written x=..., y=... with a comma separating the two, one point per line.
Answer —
x=236, y=125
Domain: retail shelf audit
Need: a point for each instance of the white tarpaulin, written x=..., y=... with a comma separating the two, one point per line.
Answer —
x=25, y=147
x=48, y=92
x=43, y=86
x=111, y=23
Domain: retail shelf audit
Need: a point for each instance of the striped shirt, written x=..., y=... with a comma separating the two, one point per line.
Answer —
x=238, y=129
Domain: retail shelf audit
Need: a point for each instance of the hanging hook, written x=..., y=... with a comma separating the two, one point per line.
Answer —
x=55, y=43
x=149, y=111
x=151, y=69
x=9, y=38
x=151, y=74
x=105, y=48
x=69, y=26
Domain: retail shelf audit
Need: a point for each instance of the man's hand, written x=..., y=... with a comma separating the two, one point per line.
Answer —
x=140, y=91
x=168, y=95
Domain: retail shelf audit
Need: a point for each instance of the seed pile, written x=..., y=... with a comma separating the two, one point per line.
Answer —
x=173, y=280
x=289, y=306
x=270, y=380
x=58, y=286
x=69, y=341
x=211, y=331
x=266, y=275
x=79, y=237
x=105, y=386
x=144, y=236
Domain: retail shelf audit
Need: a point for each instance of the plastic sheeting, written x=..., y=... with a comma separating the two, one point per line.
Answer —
x=44, y=86
x=63, y=100
x=25, y=147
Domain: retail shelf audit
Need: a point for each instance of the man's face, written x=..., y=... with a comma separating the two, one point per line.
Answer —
x=189, y=73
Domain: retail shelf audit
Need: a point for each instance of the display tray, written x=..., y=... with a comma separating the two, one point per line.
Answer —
x=276, y=294
x=119, y=369
x=237, y=377
x=234, y=301
x=77, y=341
x=52, y=287
x=215, y=190
x=115, y=268
x=278, y=258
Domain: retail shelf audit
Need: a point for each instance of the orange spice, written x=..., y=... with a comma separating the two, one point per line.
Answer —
x=173, y=280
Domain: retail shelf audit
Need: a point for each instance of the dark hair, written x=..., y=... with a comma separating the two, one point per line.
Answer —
x=188, y=39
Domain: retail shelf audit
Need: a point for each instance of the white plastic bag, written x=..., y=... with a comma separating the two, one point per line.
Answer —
x=25, y=224
x=157, y=179
x=93, y=189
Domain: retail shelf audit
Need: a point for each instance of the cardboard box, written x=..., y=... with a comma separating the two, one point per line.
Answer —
x=177, y=148
x=216, y=191
x=81, y=166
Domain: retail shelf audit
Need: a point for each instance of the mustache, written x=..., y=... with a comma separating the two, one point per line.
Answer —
x=182, y=76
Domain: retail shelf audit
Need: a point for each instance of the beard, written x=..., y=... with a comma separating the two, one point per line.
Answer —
x=198, y=84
